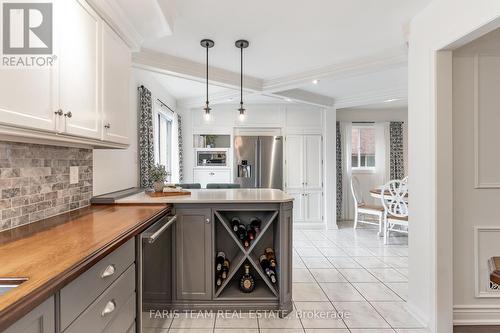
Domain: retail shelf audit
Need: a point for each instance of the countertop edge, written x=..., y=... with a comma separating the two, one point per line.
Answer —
x=23, y=306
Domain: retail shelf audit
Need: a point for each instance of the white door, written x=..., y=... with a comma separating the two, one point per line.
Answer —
x=79, y=82
x=314, y=206
x=28, y=97
x=313, y=162
x=294, y=162
x=298, y=205
x=116, y=66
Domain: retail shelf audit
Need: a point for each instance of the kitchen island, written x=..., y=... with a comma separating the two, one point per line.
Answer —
x=187, y=278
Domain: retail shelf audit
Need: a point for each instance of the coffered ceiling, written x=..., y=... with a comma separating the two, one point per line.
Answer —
x=356, y=48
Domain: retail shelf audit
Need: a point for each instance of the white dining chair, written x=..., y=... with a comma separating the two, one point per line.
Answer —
x=395, y=203
x=362, y=209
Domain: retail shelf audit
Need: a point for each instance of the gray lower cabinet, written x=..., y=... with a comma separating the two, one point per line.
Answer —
x=40, y=320
x=193, y=254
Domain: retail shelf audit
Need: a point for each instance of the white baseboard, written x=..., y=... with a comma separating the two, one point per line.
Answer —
x=476, y=315
x=309, y=225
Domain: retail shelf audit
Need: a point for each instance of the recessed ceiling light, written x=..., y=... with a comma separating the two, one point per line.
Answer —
x=391, y=100
x=315, y=81
x=288, y=99
x=230, y=99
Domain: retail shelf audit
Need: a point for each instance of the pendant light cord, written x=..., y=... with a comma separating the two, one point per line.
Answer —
x=241, y=78
x=206, y=46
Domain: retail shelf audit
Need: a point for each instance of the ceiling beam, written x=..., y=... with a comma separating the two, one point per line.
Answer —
x=361, y=66
x=187, y=69
x=306, y=97
x=372, y=97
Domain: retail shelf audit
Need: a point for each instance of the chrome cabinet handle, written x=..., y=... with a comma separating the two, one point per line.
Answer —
x=207, y=221
x=107, y=126
x=151, y=239
x=58, y=112
x=68, y=114
x=110, y=270
x=110, y=307
x=211, y=173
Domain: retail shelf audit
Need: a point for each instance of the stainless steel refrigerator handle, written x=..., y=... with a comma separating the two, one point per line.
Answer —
x=257, y=171
x=151, y=239
x=260, y=163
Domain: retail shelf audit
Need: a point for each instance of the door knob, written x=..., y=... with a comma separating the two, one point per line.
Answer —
x=107, y=126
x=59, y=112
x=207, y=221
x=68, y=114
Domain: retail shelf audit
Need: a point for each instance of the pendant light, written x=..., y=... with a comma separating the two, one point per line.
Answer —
x=207, y=44
x=241, y=44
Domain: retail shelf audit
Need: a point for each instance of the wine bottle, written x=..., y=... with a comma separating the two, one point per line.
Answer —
x=266, y=266
x=219, y=280
x=225, y=269
x=221, y=256
x=251, y=232
x=247, y=282
x=256, y=223
x=242, y=232
x=235, y=223
x=246, y=242
x=269, y=252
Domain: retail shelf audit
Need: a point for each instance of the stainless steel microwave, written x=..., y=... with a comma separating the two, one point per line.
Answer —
x=211, y=158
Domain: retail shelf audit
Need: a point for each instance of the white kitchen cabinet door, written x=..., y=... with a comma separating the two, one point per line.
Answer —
x=294, y=162
x=211, y=176
x=314, y=206
x=28, y=98
x=313, y=162
x=116, y=67
x=79, y=68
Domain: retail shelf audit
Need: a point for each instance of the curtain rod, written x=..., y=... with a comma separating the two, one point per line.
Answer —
x=159, y=100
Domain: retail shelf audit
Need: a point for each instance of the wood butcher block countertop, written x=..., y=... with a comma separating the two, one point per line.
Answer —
x=53, y=252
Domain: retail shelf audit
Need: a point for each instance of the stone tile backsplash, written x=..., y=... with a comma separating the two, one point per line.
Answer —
x=35, y=184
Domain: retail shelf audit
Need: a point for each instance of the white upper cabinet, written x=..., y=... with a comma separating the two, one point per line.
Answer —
x=37, y=111
x=79, y=82
x=313, y=162
x=294, y=162
x=116, y=66
x=84, y=94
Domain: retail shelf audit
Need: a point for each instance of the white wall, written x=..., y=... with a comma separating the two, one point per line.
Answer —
x=442, y=23
x=117, y=169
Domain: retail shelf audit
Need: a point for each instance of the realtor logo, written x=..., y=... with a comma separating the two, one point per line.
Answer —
x=27, y=28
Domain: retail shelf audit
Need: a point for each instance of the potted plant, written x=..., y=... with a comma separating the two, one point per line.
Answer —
x=158, y=175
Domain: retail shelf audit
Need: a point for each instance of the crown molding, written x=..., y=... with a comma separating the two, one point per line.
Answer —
x=361, y=66
x=183, y=68
x=371, y=97
x=112, y=13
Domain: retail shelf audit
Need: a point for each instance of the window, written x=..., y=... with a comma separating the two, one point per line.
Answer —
x=163, y=138
x=363, y=147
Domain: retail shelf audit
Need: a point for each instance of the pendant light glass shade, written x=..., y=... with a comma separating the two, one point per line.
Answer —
x=241, y=44
x=207, y=44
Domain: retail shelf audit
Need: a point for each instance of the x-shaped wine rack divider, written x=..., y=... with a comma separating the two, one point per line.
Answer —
x=246, y=254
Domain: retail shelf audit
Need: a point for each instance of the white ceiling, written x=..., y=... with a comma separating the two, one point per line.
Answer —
x=287, y=37
x=356, y=47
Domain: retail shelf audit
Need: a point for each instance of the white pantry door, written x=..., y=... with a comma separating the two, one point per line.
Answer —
x=294, y=161
x=313, y=162
x=79, y=68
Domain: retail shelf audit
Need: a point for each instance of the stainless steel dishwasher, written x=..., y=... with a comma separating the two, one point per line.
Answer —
x=154, y=268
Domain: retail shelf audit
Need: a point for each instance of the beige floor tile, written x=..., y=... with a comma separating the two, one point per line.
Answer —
x=376, y=292
x=155, y=330
x=318, y=315
x=281, y=330
x=333, y=252
x=397, y=314
x=400, y=288
x=236, y=320
x=235, y=330
x=372, y=330
x=156, y=320
x=372, y=262
x=308, y=292
x=388, y=275
x=272, y=320
x=327, y=275
x=357, y=275
x=302, y=275
x=308, y=252
x=317, y=262
x=193, y=320
x=360, y=315
x=341, y=292
x=344, y=262
x=327, y=330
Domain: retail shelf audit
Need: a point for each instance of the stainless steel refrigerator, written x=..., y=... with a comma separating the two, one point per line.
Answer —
x=258, y=161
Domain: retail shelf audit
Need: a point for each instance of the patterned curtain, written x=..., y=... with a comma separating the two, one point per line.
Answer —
x=179, y=133
x=146, y=145
x=339, y=172
x=397, y=165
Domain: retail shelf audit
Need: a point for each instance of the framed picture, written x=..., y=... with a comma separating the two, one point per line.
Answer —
x=487, y=261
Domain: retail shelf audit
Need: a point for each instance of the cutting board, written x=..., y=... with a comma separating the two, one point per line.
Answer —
x=167, y=194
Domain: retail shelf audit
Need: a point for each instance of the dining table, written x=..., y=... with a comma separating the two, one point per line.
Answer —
x=377, y=193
